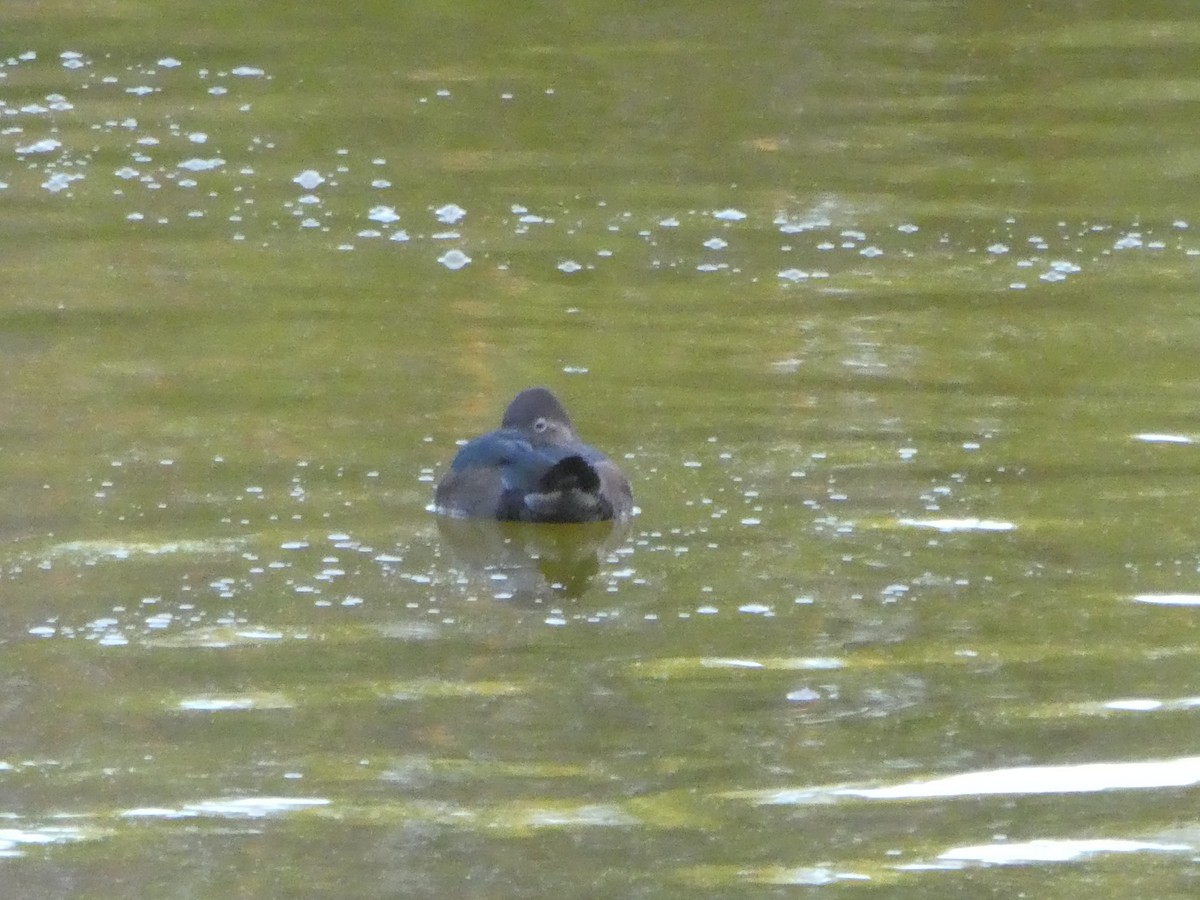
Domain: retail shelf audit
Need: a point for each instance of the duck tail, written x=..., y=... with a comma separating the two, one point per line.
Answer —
x=572, y=473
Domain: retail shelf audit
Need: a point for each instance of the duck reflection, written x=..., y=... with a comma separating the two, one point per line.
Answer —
x=530, y=564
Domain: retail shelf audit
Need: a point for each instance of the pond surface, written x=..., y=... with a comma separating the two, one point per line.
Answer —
x=887, y=309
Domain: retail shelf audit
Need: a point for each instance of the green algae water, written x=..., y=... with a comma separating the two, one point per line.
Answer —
x=888, y=310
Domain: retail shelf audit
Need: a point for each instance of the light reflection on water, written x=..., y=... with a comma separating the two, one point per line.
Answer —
x=1055, y=850
x=1065, y=779
x=234, y=808
x=19, y=841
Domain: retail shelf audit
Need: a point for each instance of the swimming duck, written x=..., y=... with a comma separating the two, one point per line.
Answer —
x=533, y=468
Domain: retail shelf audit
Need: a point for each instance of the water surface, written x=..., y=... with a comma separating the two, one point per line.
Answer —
x=885, y=308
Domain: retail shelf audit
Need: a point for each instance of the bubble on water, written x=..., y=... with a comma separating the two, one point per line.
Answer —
x=60, y=181
x=756, y=609
x=196, y=164
x=169, y=62
x=383, y=214
x=450, y=213
x=399, y=236
x=569, y=266
x=247, y=72
x=198, y=137
x=140, y=90
x=794, y=275
x=716, y=243
x=46, y=145
x=309, y=179
x=729, y=215
x=72, y=59
x=454, y=259
x=803, y=695
x=797, y=224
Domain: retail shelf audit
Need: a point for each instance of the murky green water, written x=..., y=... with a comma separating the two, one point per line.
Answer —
x=888, y=310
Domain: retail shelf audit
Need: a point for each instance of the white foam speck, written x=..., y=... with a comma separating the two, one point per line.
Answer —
x=450, y=213
x=309, y=179
x=46, y=145
x=454, y=259
x=202, y=165
x=383, y=214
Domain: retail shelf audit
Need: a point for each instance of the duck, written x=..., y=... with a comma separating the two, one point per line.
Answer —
x=534, y=468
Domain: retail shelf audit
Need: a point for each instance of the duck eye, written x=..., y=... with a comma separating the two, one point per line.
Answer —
x=540, y=425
